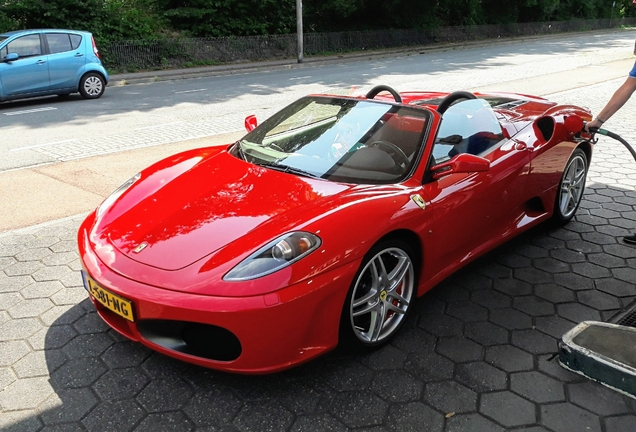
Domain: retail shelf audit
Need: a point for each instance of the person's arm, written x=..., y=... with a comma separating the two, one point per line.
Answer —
x=617, y=100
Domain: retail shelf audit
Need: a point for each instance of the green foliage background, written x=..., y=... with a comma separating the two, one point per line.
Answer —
x=152, y=19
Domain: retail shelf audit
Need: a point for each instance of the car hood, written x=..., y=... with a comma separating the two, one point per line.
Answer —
x=186, y=208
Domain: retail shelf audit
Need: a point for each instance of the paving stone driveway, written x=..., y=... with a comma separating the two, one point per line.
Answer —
x=477, y=354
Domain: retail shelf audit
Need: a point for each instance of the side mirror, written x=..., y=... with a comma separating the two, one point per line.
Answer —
x=462, y=163
x=10, y=57
x=250, y=123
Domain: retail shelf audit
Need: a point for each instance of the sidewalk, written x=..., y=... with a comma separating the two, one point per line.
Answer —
x=55, y=191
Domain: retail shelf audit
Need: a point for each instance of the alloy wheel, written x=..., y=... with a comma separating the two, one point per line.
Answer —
x=382, y=295
x=572, y=186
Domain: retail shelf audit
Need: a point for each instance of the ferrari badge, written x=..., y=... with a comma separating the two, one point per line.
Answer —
x=417, y=199
x=140, y=247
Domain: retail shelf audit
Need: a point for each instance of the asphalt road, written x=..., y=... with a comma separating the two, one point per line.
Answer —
x=49, y=130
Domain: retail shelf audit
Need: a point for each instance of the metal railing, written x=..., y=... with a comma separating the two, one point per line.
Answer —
x=123, y=56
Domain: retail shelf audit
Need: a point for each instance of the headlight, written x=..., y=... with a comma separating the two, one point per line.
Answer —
x=274, y=256
x=118, y=192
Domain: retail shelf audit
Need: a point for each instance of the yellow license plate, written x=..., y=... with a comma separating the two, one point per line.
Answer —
x=113, y=302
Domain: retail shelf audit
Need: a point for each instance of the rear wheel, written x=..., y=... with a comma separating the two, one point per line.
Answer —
x=571, y=188
x=92, y=85
x=380, y=297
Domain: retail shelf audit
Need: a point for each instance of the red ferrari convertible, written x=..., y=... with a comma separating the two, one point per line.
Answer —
x=324, y=223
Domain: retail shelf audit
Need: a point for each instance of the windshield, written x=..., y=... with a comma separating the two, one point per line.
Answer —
x=339, y=139
x=469, y=126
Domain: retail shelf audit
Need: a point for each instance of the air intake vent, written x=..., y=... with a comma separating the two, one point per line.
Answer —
x=511, y=104
x=197, y=339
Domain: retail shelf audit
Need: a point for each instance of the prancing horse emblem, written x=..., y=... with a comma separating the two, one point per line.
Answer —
x=141, y=247
x=417, y=199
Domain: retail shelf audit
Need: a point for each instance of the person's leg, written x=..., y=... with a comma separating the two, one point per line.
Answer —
x=631, y=239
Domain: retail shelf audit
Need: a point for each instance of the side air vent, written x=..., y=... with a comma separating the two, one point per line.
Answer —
x=545, y=126
x=534, y=206
x=510, y=105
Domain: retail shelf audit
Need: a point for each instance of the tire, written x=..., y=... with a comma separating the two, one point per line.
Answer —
x=380, y=297
x=571, y=188
x=92, y=86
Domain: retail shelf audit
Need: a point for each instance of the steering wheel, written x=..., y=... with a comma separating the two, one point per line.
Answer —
x=380, y=88
x=453, y=97
x=399, y=157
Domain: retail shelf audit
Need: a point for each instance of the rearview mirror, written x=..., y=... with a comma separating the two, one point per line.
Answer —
x=250, y=123
x=462, y=163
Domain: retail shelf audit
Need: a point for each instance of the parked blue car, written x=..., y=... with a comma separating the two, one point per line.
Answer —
x=50, y=62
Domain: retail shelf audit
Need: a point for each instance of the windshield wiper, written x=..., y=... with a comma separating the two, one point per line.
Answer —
x=289, y=169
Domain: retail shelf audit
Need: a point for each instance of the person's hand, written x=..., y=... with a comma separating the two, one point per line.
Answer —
x=593, y=124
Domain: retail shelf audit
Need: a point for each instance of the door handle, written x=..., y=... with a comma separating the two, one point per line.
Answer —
x=79, y=55
x=520, y=146
x=40, y=62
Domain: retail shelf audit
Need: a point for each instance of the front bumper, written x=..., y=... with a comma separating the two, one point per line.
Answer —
x=274, y=331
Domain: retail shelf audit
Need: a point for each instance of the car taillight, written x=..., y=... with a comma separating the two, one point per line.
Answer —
x=95, y=48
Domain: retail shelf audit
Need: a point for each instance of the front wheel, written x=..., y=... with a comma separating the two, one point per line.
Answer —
x=380, y=296
x=92, y=85
x=571, y=188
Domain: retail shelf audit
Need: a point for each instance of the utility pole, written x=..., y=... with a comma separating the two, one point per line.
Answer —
x=299, y=28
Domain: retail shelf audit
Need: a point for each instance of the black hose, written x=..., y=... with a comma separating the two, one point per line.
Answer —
x=616, y=137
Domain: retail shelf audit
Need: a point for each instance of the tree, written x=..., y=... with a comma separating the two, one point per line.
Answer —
x=106, y=19
x=230, y=17
x=7, y=23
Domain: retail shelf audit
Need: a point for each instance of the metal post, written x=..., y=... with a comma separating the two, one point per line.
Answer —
x=299, y=28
